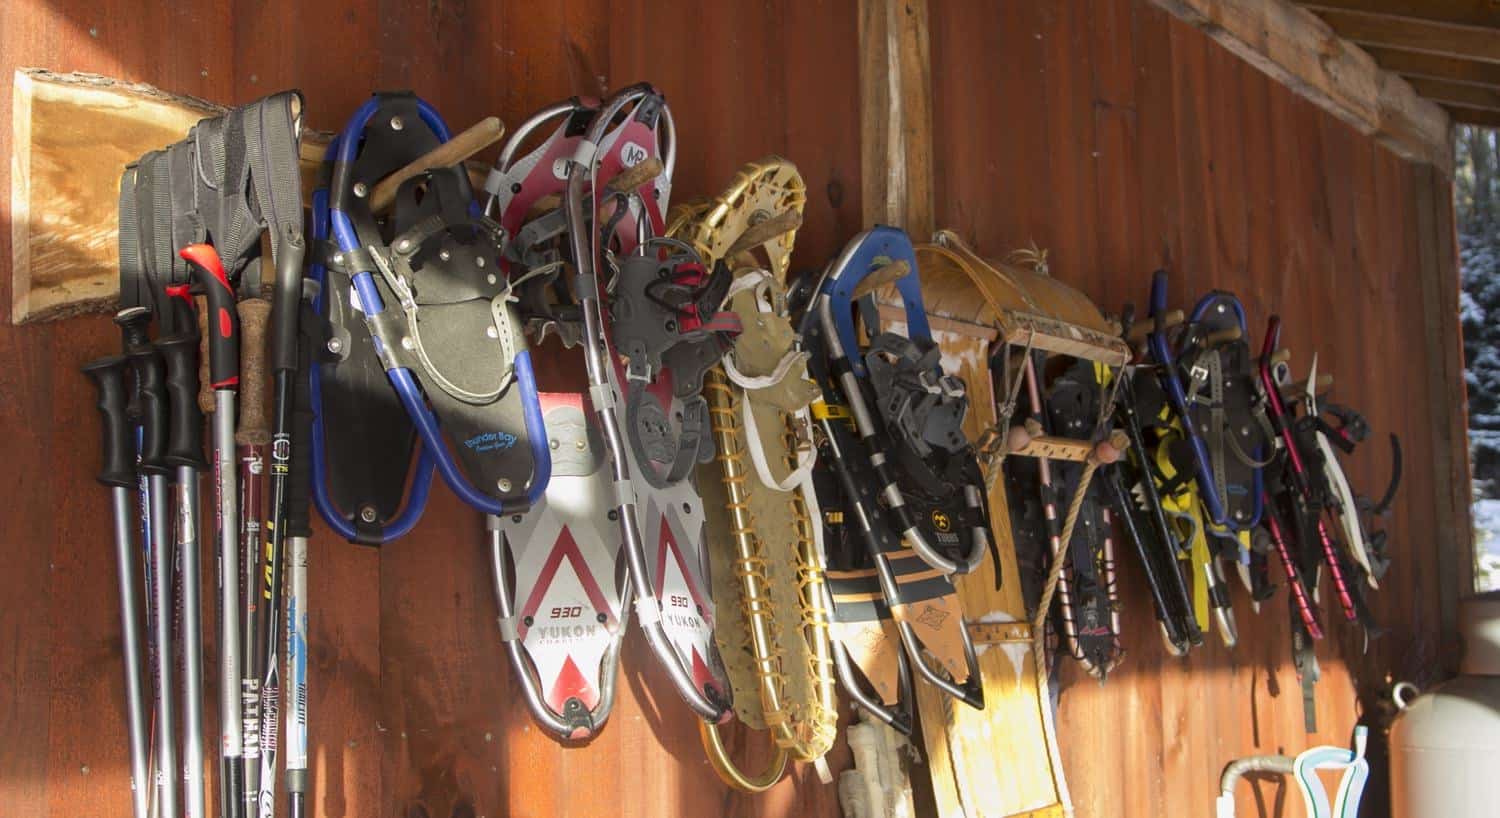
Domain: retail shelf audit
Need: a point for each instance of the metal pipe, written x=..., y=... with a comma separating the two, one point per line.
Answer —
x=296, y=674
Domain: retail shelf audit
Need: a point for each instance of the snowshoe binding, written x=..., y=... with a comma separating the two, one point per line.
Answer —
x=425, y=281
x=885, y=405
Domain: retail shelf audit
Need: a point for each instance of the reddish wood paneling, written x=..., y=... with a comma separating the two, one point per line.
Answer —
x=1195, y=162
x=1100, y=129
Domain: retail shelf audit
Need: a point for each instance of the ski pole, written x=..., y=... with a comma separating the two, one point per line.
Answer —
x=286, y=298
x=299, y=529
x=251, y=436
x=150, y=373
x=118, y=473
x=220, y=329
x=185, y=455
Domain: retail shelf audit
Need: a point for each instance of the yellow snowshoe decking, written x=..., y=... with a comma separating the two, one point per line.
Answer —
x=762, y=537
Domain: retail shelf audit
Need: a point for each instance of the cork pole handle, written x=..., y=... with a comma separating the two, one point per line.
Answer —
x=254, y=421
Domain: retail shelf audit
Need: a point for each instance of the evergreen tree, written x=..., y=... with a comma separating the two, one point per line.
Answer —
x=1476, y=202
x=1476, y=206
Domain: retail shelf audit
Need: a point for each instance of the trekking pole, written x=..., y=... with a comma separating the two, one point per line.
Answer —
x=220, y=329
x=185, y=455
x=118, y=473
x=251, y=436
x=150, y=374
x=286, y=300
x=298, y=530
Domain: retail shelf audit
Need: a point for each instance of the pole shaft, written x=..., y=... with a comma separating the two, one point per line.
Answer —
x=252, y=470
x=226, y=489
x=192, y=642
x=296, y=660
x=126, y=558
x=267, y=660
x=161, y=603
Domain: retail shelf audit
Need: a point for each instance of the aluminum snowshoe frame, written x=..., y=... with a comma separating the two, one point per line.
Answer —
x=915, y=579
x=1216, y=325
x=569, y=547
x=1138, y=505
x=686, y=651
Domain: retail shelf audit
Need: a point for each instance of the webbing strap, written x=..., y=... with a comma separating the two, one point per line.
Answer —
x=133, y=291
x=153, y=230
x=271, y=145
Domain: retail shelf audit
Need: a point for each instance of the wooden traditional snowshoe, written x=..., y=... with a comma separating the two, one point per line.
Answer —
x=1039, y=318
x=763, y=540
x=1002, y=761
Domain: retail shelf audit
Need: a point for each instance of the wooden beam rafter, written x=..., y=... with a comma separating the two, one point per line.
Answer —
x=1436, y=67
x=1474, y=116
x=1453, y=93
x=1299, y=50
x=1446, y=39
x=1461, y=12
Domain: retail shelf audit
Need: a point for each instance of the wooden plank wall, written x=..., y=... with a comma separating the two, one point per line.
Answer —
x=1100, y=129
x=1124, y=141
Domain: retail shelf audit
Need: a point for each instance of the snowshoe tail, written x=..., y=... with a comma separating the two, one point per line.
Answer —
x=560, y=580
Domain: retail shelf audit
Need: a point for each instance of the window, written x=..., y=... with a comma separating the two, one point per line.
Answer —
x=1476, y=199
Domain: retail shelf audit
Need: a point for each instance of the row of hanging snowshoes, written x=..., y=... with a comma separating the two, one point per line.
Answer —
x=781, y=480
x=592, y=500
x=1241, y=477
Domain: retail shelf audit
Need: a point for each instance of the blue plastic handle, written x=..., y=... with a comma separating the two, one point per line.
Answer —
x=866, y=253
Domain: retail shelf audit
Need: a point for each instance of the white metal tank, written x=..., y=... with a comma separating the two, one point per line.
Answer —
x=1445, y=744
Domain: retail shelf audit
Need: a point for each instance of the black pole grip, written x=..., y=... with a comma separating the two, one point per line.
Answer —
x=286, y=299
x=150, y=387
x=185, y=426
x=223, y=322
x=299, y=481
x=108, y=375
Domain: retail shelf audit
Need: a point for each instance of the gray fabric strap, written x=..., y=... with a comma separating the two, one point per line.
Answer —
x=133, y=291
x=271, y=146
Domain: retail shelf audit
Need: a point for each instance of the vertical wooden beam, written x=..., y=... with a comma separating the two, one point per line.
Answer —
x=1442, y=346
x=895, y=82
